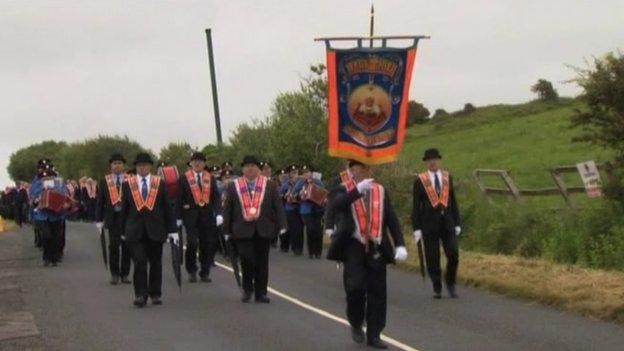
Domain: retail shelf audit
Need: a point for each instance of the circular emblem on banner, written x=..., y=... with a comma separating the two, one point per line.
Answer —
x=370, y=107
x=253, y=211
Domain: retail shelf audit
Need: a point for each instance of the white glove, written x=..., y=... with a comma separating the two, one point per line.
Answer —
x=329, y=232
x=178, y=223
x=457, y=230
x=99, y=225
x=282, y=231
x=174, y=238
x=227, y=237
x=219, y=220
x=417, y=235
x=365, y=185
x=401, y=253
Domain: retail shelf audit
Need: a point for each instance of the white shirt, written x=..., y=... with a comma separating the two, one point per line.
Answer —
x=432, y=178
x=147, y=180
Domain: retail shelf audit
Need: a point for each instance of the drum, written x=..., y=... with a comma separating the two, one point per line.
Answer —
x=170, y=175
x=52, y=201
x=311, y=192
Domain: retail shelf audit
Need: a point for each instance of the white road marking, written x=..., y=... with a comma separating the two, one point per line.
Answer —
x=325, y=314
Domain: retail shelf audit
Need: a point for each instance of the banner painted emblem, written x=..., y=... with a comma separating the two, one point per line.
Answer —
x=367, y=96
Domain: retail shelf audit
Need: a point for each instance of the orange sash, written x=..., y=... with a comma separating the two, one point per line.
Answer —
x=136, y=193
x=368, y=222
x=201, y=197
x=115, y=196
x=344, y=176
x=251, y=206
x=431, y=193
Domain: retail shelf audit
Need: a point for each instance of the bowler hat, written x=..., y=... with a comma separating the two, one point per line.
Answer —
x=250, y=160
x=143, y=157
x=116, y=157
x=431, y=153
x=198, y=156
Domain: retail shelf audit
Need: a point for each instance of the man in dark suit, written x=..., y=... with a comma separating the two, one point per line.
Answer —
x=435, y=218
x=253, y=214
x=199, y=209
x=362, y=242
x=146, y=220
x=108, y=215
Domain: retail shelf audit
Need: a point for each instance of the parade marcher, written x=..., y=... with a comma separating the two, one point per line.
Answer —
x=108, y=215
x=281, y=177
x=215, y=171
x=266, y=169
x=19, y=202
x=293, y=238
x=310, y=213
x=435, y=218
x=199, y=209
x=146, y=220
x=91, y=199
x=362, y=243
x=83, y=199
x=253, y=214
x=50, y=224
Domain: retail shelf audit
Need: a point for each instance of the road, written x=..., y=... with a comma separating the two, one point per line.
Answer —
x=75, y=308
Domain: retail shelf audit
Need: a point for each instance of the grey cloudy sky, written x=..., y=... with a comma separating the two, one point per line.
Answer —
x=75, y=69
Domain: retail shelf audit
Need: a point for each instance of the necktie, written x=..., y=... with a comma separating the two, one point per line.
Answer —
x=199, y=182
x=144, y=189
x=117, y=183
x=437, y=184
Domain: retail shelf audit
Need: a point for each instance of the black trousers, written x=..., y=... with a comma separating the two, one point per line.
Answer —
x=314, y=233
x=51, y=235
x=203, y=239
x=19, y=218
x=254, y=255
x=365, y=284
x=119, y=256
x=432, y=252
x=295, y=231
x=37, y=230
x=147, y=258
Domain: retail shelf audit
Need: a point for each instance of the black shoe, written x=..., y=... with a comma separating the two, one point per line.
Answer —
x=46, y=263
x=140, y=301
x=452, y=292
x=246, y=297
x=262, y=299
x=124, y=280
x=377, y=343
x=156, y=300
x=192, y=277
x=437, y=295
x=205, y=279
x=114, y=280
x=54, y=264
x=357, y=334
x=317, y=256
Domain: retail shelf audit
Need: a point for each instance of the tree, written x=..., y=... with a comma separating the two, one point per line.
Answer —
x=545, y=90
x=440, y=113
x=23, y=162
x=417, y=113
x=468, y=109
x=176, y=154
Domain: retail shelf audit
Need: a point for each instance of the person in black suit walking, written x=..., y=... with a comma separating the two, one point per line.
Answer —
x=146, y=220
x=108, y=215
x=253, y=214
x=199, y=209
x=435, y=218
x=361, y=241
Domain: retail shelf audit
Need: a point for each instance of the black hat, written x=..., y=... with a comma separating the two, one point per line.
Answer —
x=116, y=157
x=198, y=156
x=431, y=153
x=306, y=168
x=162, y=164
x=43, y=162
x=292, y=167
x=47, y=173
x=282, y=171
x=215, y=168
x=143, y=157
x=250, y=160
x=265, y=163
x=355, y=163
x=227, y=173
x=227, y=164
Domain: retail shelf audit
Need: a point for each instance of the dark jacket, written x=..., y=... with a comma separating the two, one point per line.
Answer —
x=333, y=187
x=429, y=219
x=272, y=215
x=189, y=212
x=158, y=222
x=104, y=209
x=345, y=226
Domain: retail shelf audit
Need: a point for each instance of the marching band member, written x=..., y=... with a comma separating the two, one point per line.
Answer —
x=146, y=220
x=435, y=218
x=253, y=214
x=310, y=213
x=199, y=209
x=293, y=238
x=266, y=169
x=362, y=243
x=108, y=215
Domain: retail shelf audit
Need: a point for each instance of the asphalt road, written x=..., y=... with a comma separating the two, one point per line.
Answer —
x=75, y=308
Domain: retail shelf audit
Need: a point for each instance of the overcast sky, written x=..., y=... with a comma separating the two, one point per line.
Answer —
x=75, y=69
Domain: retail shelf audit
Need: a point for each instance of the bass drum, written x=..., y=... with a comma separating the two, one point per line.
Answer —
x=170, y=175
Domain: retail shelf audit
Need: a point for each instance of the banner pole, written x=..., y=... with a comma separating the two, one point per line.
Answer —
x=372, y=23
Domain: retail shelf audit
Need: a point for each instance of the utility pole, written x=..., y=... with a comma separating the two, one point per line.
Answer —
x=213, y=79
